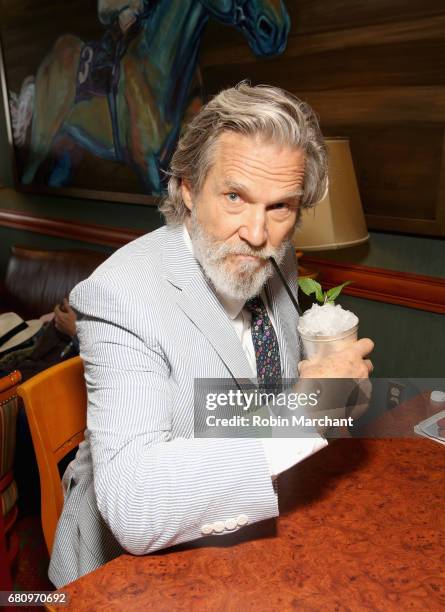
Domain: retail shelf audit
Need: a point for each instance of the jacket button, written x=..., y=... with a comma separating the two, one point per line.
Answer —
x=207, y=529
x=242, y=520
x=218, y=526
x=231, y=524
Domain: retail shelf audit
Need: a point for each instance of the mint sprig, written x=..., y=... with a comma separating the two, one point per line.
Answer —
x=310, y=286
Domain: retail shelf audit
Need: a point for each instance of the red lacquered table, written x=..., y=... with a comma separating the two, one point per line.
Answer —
x=361, y=527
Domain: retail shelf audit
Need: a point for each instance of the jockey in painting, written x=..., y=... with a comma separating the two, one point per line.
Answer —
x=124, y=98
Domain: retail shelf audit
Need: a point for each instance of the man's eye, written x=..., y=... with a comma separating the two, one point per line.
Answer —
x=279, y=206
x=232, y=196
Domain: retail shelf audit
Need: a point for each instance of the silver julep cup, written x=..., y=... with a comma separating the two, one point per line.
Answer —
x=317, y=347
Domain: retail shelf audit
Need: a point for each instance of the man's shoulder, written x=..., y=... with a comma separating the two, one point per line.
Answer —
x=136, y=258
x=135, y=266
x=142, y=250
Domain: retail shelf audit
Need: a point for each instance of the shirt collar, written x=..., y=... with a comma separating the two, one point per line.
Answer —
x=231, y=305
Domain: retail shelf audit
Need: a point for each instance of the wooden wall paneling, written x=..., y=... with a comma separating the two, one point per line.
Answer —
x=398, y=169
x=328, y=15
x=385, y=65
x=440, y=209
x=379, y=106
x=300, y=44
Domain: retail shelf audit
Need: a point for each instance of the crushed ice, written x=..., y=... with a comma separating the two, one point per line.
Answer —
x=326, y=320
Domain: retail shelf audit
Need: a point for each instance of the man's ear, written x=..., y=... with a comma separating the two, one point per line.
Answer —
x=186, y=193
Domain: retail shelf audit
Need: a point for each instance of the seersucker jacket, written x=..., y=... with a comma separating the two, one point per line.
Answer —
x=148, y=325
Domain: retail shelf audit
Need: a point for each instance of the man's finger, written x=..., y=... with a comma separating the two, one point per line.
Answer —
x=364, y=346
x=301, y=363
x=368, y=363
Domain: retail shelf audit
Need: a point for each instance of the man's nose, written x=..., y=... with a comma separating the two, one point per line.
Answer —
x=254, y=227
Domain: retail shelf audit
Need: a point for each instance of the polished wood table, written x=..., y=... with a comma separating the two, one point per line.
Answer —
x=361, y=527
x=399, y=422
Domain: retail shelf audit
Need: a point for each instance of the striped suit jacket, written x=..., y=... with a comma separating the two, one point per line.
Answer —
x=149, y=324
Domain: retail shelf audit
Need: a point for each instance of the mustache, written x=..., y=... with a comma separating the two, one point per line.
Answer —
x=223, y=250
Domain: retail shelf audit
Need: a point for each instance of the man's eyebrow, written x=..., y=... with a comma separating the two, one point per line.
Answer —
x=237, y=186
x=295, y=193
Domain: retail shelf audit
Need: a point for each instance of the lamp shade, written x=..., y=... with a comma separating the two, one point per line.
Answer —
x=337, y=220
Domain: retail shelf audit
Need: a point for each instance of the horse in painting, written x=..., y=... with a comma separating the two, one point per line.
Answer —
x=139, y=123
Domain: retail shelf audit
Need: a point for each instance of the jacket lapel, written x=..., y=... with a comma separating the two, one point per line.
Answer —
x=197, y=300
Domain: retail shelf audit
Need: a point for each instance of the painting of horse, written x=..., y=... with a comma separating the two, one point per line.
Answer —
x=102, y=112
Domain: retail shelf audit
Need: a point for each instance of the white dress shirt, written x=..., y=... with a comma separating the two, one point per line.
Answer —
x=281, y=453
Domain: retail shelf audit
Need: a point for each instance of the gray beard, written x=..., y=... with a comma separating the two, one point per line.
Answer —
x=248, y=280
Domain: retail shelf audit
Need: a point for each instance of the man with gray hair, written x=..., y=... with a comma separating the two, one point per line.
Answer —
x=196, y=299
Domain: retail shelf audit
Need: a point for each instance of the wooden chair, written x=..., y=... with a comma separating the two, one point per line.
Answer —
x=8, y=488
x=56, y=407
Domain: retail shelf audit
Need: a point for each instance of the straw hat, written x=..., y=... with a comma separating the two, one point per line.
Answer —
x=15, y=331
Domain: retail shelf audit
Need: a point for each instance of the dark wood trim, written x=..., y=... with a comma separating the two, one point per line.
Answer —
x=433, y=227
x=73, y=230
x=429, y=227
x=382, y=285
x=89, y=194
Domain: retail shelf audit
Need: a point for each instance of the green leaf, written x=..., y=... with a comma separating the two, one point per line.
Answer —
x=333, y=293
x=319, y=294
x=309, y=286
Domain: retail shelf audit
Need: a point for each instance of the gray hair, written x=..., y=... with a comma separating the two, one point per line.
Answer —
x=262, y=110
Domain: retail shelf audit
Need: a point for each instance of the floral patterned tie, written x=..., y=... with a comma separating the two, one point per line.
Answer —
x=265, y=343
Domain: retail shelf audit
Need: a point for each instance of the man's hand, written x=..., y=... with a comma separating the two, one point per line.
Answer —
x=65, y=319
x=47, y=318
x=347, y=363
